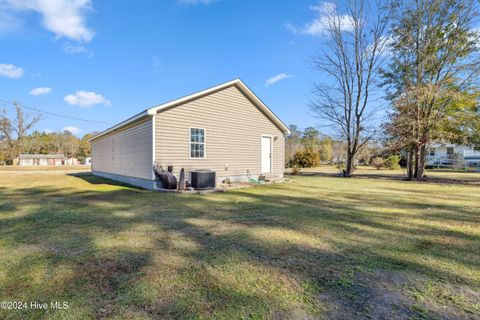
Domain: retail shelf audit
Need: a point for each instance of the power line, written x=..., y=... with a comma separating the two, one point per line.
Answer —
x=52, y=113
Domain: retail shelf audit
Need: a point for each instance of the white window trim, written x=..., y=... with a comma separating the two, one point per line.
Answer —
x=190, y=143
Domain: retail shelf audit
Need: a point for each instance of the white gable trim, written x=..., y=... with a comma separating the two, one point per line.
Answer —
x=237, y=82
x=121, y=125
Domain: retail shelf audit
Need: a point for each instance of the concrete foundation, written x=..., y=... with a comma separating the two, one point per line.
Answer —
x=137, y=182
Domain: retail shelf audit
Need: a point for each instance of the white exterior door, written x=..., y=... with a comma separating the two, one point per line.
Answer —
x=266, y=154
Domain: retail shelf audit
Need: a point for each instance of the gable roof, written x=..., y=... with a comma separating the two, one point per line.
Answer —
x=150, y=112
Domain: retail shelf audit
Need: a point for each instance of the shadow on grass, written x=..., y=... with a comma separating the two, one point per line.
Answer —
x=90, y=178
x=131, y=253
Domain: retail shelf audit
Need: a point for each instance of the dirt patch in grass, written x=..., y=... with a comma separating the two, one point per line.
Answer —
x=386, y=294
x=459, y=181
x=104, y=277
x=398, y=177
x=432, y=176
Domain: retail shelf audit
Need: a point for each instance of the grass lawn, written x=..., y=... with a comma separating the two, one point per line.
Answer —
x=317, y=247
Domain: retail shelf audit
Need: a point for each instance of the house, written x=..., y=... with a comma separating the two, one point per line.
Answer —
x=226, y=128
x=87, y=161
x=453, y=155
x=41, y=159
x=71, y=162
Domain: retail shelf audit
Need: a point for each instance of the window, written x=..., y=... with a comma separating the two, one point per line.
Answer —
x=450, y=151
x=432, y=152
x=197, y=143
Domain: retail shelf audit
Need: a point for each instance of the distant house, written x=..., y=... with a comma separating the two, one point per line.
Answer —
x=447, y=155
x=227, y=129
x=71, y=162
x=87, y=161
x=41, y=159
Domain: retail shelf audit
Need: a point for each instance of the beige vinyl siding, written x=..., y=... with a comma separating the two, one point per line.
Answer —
x=233, y=128
x=128, y=152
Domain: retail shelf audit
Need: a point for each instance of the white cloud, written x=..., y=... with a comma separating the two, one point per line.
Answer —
x=72, y=130
x=384, y=46
x=279, y=77
x=195, y=2
x=40, y=91
x=475, y=36
x=8, y=21
x=76, y=49
x=65, y=18
x=86, y=99
x=326, y=13
x=47, y=131
x=10, y=71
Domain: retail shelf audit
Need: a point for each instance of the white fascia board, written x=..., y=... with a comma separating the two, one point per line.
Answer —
x=121, y=124
x=254, y=97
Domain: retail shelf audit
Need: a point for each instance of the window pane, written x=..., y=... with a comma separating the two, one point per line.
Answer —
x=197, y=135
x=193, y=134
x=197, y=150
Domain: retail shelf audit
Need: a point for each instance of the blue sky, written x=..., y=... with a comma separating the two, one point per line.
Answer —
x=107, y=60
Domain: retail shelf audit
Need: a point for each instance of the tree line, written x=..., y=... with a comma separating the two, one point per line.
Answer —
x=15, y=139
x=310, y=148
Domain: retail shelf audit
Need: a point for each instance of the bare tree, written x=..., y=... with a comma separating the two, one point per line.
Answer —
x=350, y=64
x=65, y=143
x=15, y=129
x=292, y=143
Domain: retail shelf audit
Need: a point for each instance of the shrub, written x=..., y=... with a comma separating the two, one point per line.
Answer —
x=378, y=162
x=295, y=170
x=305, y=159
x=340, y=167
x=392, y=162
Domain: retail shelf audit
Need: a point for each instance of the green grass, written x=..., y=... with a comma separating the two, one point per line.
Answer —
x=317, y=247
